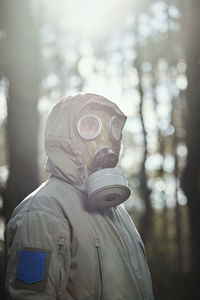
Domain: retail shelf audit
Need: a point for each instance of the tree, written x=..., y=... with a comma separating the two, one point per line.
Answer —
x=22, y=71
x=191, y=176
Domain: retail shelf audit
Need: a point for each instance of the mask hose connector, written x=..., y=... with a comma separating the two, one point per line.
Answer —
x=104, y=158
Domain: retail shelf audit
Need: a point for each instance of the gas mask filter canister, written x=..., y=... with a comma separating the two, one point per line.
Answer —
x=107, y=187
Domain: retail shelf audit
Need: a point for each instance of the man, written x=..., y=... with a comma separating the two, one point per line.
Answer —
x=71, y=239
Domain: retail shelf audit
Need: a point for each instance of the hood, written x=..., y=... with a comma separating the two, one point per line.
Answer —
x=62, y=143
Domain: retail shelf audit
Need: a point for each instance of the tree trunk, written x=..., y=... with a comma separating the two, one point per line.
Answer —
x=21, y=69
x=146, y=220
x=191, y=176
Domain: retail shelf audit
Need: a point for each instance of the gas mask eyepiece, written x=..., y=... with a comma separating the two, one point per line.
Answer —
x=90, y=127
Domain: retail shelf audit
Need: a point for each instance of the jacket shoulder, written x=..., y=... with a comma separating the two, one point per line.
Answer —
x=48, y=197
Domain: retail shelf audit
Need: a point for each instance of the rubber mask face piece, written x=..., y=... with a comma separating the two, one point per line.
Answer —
x=101, y=133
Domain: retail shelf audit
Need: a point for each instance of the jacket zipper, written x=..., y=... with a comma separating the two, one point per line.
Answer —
x=127, y=254
x=59, y=247
x=97, y=247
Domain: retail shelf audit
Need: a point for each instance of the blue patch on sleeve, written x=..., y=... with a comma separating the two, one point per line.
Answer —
x=31, y=266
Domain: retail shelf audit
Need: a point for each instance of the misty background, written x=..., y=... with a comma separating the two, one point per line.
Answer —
x=144, y=56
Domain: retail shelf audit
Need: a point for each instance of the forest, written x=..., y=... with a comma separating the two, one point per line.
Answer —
x=144, y=56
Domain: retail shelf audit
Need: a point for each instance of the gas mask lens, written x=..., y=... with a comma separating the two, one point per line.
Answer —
x=89, y=127
x=115, y=128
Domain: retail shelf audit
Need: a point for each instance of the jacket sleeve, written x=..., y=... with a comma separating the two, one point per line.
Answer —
x=38, y=255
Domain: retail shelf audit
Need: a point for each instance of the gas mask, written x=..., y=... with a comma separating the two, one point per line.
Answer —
x=101, y=133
